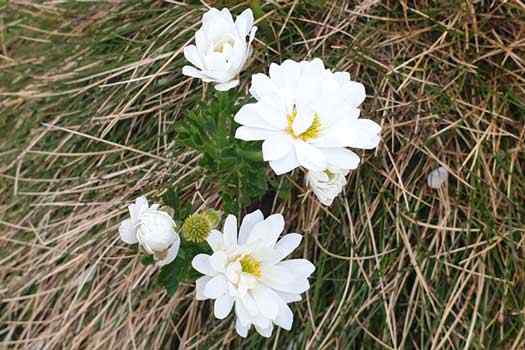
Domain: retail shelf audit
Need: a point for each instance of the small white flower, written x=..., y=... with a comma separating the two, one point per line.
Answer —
x=221, y=49
x=248, y=271
x=153, y=229
x=437, y=177
x=327, y=184
x=306, y=116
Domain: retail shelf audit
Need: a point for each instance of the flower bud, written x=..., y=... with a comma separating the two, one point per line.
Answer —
x=327, y=184
x=196, y=227
x=156, y=231
x=153, y=229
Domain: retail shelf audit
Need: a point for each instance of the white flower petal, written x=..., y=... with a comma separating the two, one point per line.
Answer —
x=249, y=305
x=284, y=317
x=137, y=208
x=226, y=15
x=253, y=134
x=215, y=240
x=341, y=158
x=226, y=86
x=309, y=156
x=218, y=261
x=241, y=329
x=287, y=244
x=286, y=76
x=216, y=66
x=354, y=92
x=192, y=54
x=437, y=177
x=276, y=147
x=216, y=287
x=262, y=322
x=200, y=283
x=201, y=263
x=303, y=120
x=128, y=232
x=285, y=164
x=267, y=231
x=300, y=267
x=267, y=301
x=201, y=41
x=361, y=133
x=171, y=253
x=247, y=225
x=244, y=22
x=289, y=297
x=265, y=332
x=222, y=306
x=264, y=90
x=190, y=71
x=243, y=316
x=230, y=232
x=249, y=116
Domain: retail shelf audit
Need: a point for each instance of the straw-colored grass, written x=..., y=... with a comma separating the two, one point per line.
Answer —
x=89, y=96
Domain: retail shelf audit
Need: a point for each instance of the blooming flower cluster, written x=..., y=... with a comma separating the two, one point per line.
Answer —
x=247, y=271
x=307, y=117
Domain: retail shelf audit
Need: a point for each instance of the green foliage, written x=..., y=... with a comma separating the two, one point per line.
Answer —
x=147, y=260
x=171, y=198
x=235, y=166
x=180, y=269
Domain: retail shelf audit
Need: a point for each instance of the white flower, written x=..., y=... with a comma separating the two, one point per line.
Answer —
x=248, y=271
x=327, y=184
x=306, y=116
x=221, y=49
x=153, y=229
x=437, y=177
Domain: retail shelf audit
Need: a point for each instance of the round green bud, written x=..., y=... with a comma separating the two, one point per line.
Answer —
x=196, y=228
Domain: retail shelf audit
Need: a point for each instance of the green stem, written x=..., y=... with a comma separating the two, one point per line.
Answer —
x=256, y=7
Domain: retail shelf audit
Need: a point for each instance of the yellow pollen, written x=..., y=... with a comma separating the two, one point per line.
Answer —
x=329, y=174
x=221, y=45
x=310, y=133
x=250, y=265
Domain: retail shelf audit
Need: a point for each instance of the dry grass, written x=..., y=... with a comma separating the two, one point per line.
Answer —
x=89, y=96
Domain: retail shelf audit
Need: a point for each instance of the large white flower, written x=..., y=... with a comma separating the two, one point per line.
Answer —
x=248, y=271
x=306, y=116
x=221, y=49
x=153, y=229
x=327, y=184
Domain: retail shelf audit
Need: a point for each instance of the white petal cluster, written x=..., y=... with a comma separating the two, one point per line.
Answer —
x=153, y=229
x=307, y=116
x=247, y=272
x=327, y=184
x=221, y=48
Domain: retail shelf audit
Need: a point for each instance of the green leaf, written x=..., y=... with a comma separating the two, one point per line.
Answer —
x=147, y=260
x=235, y=166
x=180, y=270
x=171, y=198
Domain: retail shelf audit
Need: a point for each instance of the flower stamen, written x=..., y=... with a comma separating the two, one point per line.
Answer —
x=311, y=133
x=250, y=265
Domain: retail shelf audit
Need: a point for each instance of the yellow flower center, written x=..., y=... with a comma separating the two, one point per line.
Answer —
x=311, y=133
x=250, y=265
x=329, y=174
x=221, y=46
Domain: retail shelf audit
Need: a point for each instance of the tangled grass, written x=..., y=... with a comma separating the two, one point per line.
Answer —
x=89, y=98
